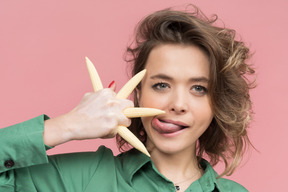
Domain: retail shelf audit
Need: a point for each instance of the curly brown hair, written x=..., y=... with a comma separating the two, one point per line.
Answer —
x=226, y=137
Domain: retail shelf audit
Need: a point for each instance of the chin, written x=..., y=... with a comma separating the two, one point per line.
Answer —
x=168, y=147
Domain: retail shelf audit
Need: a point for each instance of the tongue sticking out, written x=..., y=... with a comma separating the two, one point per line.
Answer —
x=165, y=127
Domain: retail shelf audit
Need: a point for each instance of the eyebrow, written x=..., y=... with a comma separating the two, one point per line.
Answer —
x=192, y=79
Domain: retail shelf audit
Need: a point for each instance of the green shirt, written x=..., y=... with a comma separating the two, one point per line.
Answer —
x=25, y=167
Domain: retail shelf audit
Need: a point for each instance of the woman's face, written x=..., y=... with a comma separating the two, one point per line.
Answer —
x=176, y=82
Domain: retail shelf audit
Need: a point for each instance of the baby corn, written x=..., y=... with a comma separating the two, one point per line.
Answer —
x=126, y=90
x=141, y=112
x=96, y=82
x=130, y=85
x=132, y=139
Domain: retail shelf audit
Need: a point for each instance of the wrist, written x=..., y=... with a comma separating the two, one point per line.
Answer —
x=56, y=131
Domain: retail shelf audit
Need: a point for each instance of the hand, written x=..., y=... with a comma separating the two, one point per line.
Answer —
x=96, y=116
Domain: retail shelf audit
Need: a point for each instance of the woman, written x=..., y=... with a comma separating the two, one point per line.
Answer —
x=195, y=73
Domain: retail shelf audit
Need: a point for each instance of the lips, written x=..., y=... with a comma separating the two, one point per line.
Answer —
x=167, y=126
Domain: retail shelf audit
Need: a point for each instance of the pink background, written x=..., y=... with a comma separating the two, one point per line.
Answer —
x=42, y=66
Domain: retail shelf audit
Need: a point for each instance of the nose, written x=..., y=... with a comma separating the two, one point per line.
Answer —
x=178, y=103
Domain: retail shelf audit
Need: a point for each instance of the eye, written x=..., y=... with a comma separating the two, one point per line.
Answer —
x=160, y=86
x=199, y=90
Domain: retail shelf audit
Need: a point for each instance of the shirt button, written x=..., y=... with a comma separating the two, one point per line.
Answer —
x=9, y=163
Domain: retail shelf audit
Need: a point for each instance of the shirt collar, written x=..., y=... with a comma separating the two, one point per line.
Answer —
x=209, y=180
x=132, y=161
x=137, y=160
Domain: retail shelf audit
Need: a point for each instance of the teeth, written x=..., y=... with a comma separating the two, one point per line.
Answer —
x=126, y=90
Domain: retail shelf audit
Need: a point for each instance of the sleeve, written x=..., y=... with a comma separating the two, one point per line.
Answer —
x=25, y=166
x=19, y=144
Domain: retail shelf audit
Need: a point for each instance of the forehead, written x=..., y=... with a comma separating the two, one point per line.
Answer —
x=178, y=60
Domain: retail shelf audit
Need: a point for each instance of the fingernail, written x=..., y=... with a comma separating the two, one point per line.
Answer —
x=110, y=85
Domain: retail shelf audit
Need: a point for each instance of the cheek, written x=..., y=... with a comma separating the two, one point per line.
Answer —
x=202, y=110
x=152, y=101
x=209, y=111
x=206, y=114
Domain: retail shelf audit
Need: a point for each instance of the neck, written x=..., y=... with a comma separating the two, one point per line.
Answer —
x=178, y=166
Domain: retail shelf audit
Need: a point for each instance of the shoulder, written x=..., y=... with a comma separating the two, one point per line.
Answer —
x=211, y=178
x=92, y=160
x=101, y=152
x=229, y=185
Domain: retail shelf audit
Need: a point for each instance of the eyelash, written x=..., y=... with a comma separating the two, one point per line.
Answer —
x=203, y=91
x=156, y=86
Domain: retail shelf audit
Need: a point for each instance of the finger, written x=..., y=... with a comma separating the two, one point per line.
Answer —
x=108, y=94
x=125, y=103
x=124, y=121
x=112, y=85
x=87, y=95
